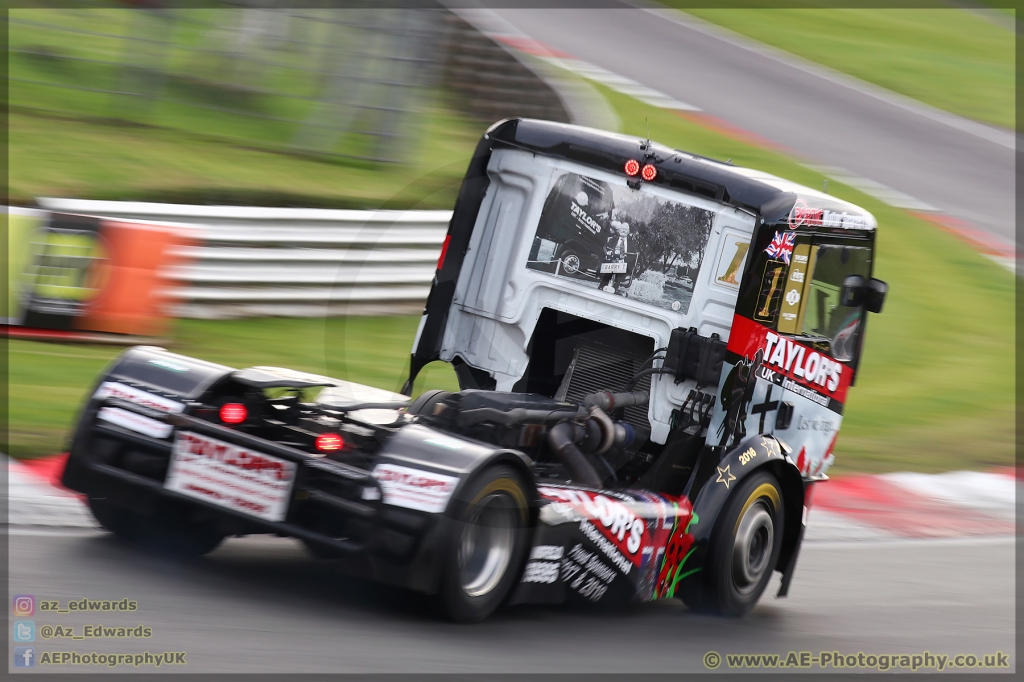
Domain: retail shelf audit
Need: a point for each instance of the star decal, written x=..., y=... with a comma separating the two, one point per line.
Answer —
x=769, y=444
x=725, y=476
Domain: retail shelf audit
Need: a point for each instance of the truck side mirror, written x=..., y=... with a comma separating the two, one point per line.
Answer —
x=852, y=295
x=874, y=295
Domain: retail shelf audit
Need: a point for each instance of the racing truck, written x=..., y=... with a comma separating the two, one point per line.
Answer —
x=602, y=447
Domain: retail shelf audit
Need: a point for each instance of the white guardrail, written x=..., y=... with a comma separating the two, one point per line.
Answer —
x=301, y=262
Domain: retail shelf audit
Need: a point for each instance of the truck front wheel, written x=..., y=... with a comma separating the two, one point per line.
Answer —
x=745, y=546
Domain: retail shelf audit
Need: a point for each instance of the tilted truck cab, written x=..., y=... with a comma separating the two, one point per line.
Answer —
x=750, y=292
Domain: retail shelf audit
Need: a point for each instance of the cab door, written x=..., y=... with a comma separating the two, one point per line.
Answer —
x=818, y=346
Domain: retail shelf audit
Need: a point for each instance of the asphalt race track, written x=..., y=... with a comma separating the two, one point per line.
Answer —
x=263, y=604
x=963, y=168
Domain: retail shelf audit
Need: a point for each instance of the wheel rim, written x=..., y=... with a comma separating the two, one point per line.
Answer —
x=752, y=548
x=487, y=543
x=571, y=263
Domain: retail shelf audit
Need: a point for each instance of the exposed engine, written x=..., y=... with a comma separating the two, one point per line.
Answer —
x=567, y=440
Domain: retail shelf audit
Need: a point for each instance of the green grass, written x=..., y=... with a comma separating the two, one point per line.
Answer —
x=95, y=160
x=936, y=386
x=187, y=70
x=49, y=382
x=946, y=57
x=94, y=145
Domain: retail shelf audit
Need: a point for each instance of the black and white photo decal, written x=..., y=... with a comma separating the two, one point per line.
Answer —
x=622, y=241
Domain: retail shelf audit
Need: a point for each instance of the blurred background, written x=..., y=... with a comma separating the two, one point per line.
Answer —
x=249, y=105
x=301, y=162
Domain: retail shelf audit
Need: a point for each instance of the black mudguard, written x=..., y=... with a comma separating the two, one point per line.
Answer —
x=426, y=449
x=753, y=454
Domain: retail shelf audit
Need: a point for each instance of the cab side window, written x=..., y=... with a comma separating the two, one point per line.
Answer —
x=793, y=286
x=822, y=316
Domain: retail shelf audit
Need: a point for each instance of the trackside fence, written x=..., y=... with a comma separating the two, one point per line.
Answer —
x=253, y=261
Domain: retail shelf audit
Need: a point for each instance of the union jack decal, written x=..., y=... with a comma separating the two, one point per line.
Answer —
x=781, y=246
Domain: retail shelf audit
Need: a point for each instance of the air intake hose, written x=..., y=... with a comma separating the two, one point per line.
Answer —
x=562, y=438
x=613, y=401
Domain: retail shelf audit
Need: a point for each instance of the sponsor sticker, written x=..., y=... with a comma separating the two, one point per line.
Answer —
x=115, y=389
x=802, y=214
x=230, y=476
x=792, y=365
x=586, y=574
x=609, y=523
x=547, y=552
x=415, y=488
x=134, y=422
x=541, y=572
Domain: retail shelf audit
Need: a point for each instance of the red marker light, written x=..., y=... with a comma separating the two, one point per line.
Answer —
x=649, y=172
x=329, y=442
x=632, y=167
x=233, y=413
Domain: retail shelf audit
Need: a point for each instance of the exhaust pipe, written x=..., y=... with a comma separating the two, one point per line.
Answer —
x=562, y=438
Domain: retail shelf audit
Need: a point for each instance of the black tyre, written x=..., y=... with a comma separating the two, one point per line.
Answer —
x=744, y=547
x=485, y=550
x=319, y=551
x=168, y=530
x=426, y=402
x=178, y=533
x=118, y=520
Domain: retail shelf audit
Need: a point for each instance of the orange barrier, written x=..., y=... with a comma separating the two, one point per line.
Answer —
x=93, y=274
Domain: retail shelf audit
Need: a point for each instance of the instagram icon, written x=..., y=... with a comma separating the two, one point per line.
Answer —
x=24, y=605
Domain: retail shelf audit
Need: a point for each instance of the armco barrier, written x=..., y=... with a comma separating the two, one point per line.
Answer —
x=286, y=261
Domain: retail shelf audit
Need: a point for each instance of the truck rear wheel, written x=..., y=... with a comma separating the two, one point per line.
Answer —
x=745, y=547
x=118, y=520
x=169, y=529
x=485, y=550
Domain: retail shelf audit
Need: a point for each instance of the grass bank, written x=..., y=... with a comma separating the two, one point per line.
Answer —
x=949, y=58
x=121, y=104
x=88, y=159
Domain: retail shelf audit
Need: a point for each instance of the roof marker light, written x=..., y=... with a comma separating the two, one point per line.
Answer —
x=329, y=442
x=632, y=167
x=233, y=413
x=649, y=172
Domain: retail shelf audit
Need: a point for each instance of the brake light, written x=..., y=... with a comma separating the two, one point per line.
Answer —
x=649, y=172
x=233, y=413
x=632, y=167
x=329, y=442
x=444, y=252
